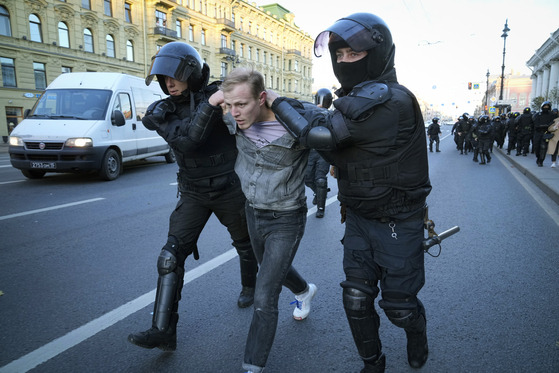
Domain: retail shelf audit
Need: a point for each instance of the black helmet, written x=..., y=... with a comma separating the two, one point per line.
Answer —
x=360, y=32
x=546, y=103
x=526, y=110
x=323, y=97
x=179, y=61
x=483, y=119
x=515, y=114
x=435, y=120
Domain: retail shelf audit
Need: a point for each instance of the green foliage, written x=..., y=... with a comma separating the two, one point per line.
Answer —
x=537, y=103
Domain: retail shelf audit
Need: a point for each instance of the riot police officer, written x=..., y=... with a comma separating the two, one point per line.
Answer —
x=485, y=134
x=463, y=128
x=525, y=129
x=376, y=140
x=206, y=155
x=511, y=130
x=542, y=120
x=317, y=168
x=433, y=132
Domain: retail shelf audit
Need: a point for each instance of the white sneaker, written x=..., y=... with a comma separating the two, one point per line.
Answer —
x=303, y=303
x=553, y=165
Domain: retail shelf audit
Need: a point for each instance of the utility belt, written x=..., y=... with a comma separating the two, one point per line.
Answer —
x=417, y=215
x=211, y=161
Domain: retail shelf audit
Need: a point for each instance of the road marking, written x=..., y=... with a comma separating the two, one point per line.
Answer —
x=77, y=336
x=6, y=166
x=550, y=209
x=11, y=182
x=49, y=208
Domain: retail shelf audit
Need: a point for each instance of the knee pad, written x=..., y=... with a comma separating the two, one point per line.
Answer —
x=167, y=261
x=402, y=309
x=321, y=183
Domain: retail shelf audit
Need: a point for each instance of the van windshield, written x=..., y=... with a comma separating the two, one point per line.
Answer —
x=86, y=104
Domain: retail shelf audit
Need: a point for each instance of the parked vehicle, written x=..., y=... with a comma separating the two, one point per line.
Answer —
x=87, y=122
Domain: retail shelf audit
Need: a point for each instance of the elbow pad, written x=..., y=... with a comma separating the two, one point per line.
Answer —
x=320, y=138
x=202, y=125
x=290, y=118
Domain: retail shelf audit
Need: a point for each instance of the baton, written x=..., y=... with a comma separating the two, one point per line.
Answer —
x=435, y=240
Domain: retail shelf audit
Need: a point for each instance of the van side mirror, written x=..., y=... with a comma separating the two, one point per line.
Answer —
x=26, y=113
x=117, y=118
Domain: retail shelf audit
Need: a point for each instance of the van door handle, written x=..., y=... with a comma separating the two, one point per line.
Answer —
x=134, y=126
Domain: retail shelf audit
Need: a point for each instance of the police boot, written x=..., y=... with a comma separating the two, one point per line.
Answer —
x=488, y=156
x=475, y=155
x=417, y=347
x=249, y=269
x=321, y=192
x=438, y=151
x=164, y=339
x=482, y=158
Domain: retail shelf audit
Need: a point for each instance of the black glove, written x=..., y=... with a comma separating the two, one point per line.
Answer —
x=156, y=112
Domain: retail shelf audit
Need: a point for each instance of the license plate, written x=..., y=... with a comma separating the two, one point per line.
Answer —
x=44, y=165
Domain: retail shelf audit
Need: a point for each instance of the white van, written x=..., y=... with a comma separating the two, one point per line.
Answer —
x=89, y=121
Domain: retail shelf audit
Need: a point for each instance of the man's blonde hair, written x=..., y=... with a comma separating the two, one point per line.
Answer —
x=244, y=75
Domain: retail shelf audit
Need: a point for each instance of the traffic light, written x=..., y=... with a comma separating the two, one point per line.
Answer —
x=469, y=85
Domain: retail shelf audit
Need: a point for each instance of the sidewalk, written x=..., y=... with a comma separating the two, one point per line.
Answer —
x=546, y=178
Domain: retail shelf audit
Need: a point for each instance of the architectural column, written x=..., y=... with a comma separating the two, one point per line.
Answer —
x=545, y=81
x=554, y=75
x=539, y=84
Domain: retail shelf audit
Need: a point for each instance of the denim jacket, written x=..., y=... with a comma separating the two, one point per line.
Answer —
x=273, y=176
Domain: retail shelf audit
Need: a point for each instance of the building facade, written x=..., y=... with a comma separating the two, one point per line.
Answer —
x=545, y=70
x=41, y=39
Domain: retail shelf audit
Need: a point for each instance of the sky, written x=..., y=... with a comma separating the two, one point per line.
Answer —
x=440, y=45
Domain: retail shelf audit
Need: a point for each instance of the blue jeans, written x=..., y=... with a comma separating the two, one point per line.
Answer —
x=275, y=237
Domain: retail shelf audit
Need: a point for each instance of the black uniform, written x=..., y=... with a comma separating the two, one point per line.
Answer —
x=542, y=120
x=511, y=130
x=525, y=129
x=433, y=132
x=376, y=140
x=205, y=153
x=484, y=132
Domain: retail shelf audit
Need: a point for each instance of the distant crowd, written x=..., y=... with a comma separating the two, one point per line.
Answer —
x=528, y=133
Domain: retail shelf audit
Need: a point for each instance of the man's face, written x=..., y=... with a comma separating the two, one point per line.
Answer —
x=175, y=87
x=243, y=106
x=348, y=55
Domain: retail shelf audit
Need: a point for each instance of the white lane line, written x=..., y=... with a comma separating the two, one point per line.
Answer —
x=76, y=336
x=6, y=166
x=49, y=208
x=550, y=209
x=11, y=182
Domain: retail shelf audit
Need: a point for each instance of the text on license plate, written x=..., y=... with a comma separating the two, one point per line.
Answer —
x=44, y=165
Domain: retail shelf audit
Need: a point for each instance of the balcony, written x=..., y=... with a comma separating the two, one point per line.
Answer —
x=227, y=24
x=294, y=51
x=227, y=51
x=160, y=30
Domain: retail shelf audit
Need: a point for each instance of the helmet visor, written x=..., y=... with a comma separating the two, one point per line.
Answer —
x=359, y=37
x=172, y=66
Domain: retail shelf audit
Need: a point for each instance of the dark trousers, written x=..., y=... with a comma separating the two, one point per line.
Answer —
x=275, y=237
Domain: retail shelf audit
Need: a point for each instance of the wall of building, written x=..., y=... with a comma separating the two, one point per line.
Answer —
x=226, y=34
x=545, y=69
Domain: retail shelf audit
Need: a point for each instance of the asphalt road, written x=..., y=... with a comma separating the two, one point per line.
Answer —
x=77, y=275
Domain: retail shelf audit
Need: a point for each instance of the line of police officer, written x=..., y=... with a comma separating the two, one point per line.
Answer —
x=478, y=136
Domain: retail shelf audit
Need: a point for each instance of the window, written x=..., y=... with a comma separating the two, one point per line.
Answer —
x=265, y=57
x=63, y=35
x=110, y=46
x=86, y=4
x=234, y=45
x=223, y=69
x=107, y=8
x=5, y=27
x=257, y=55
x=124, y=105
x=160, y=19
x=178, y=27
x=8, y=72
x=203, y=37
x=242, y=50
x=250, y=53
x=35, y=28
x=66, y=69
x=190, y=33
x=14, y=115
x=87, y=40
x=129, y=50
x=241, y=24
x=128, y=12
x=40, y=75
x=296, y=65
x=223, y=41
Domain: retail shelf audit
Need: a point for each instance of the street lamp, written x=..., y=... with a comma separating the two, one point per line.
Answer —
x=504, y=36
x=487, y=93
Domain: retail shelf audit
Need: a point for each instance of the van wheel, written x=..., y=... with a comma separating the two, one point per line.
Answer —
x=111, y=165
x=33, y=174
x=170, y=157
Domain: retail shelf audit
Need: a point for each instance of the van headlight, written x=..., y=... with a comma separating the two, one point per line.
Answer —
x=15, y=141
x=79, y=142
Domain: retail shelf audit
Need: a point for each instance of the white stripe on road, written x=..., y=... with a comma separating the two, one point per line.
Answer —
x=76, y=336
x=49, y=208
x=11, y=182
